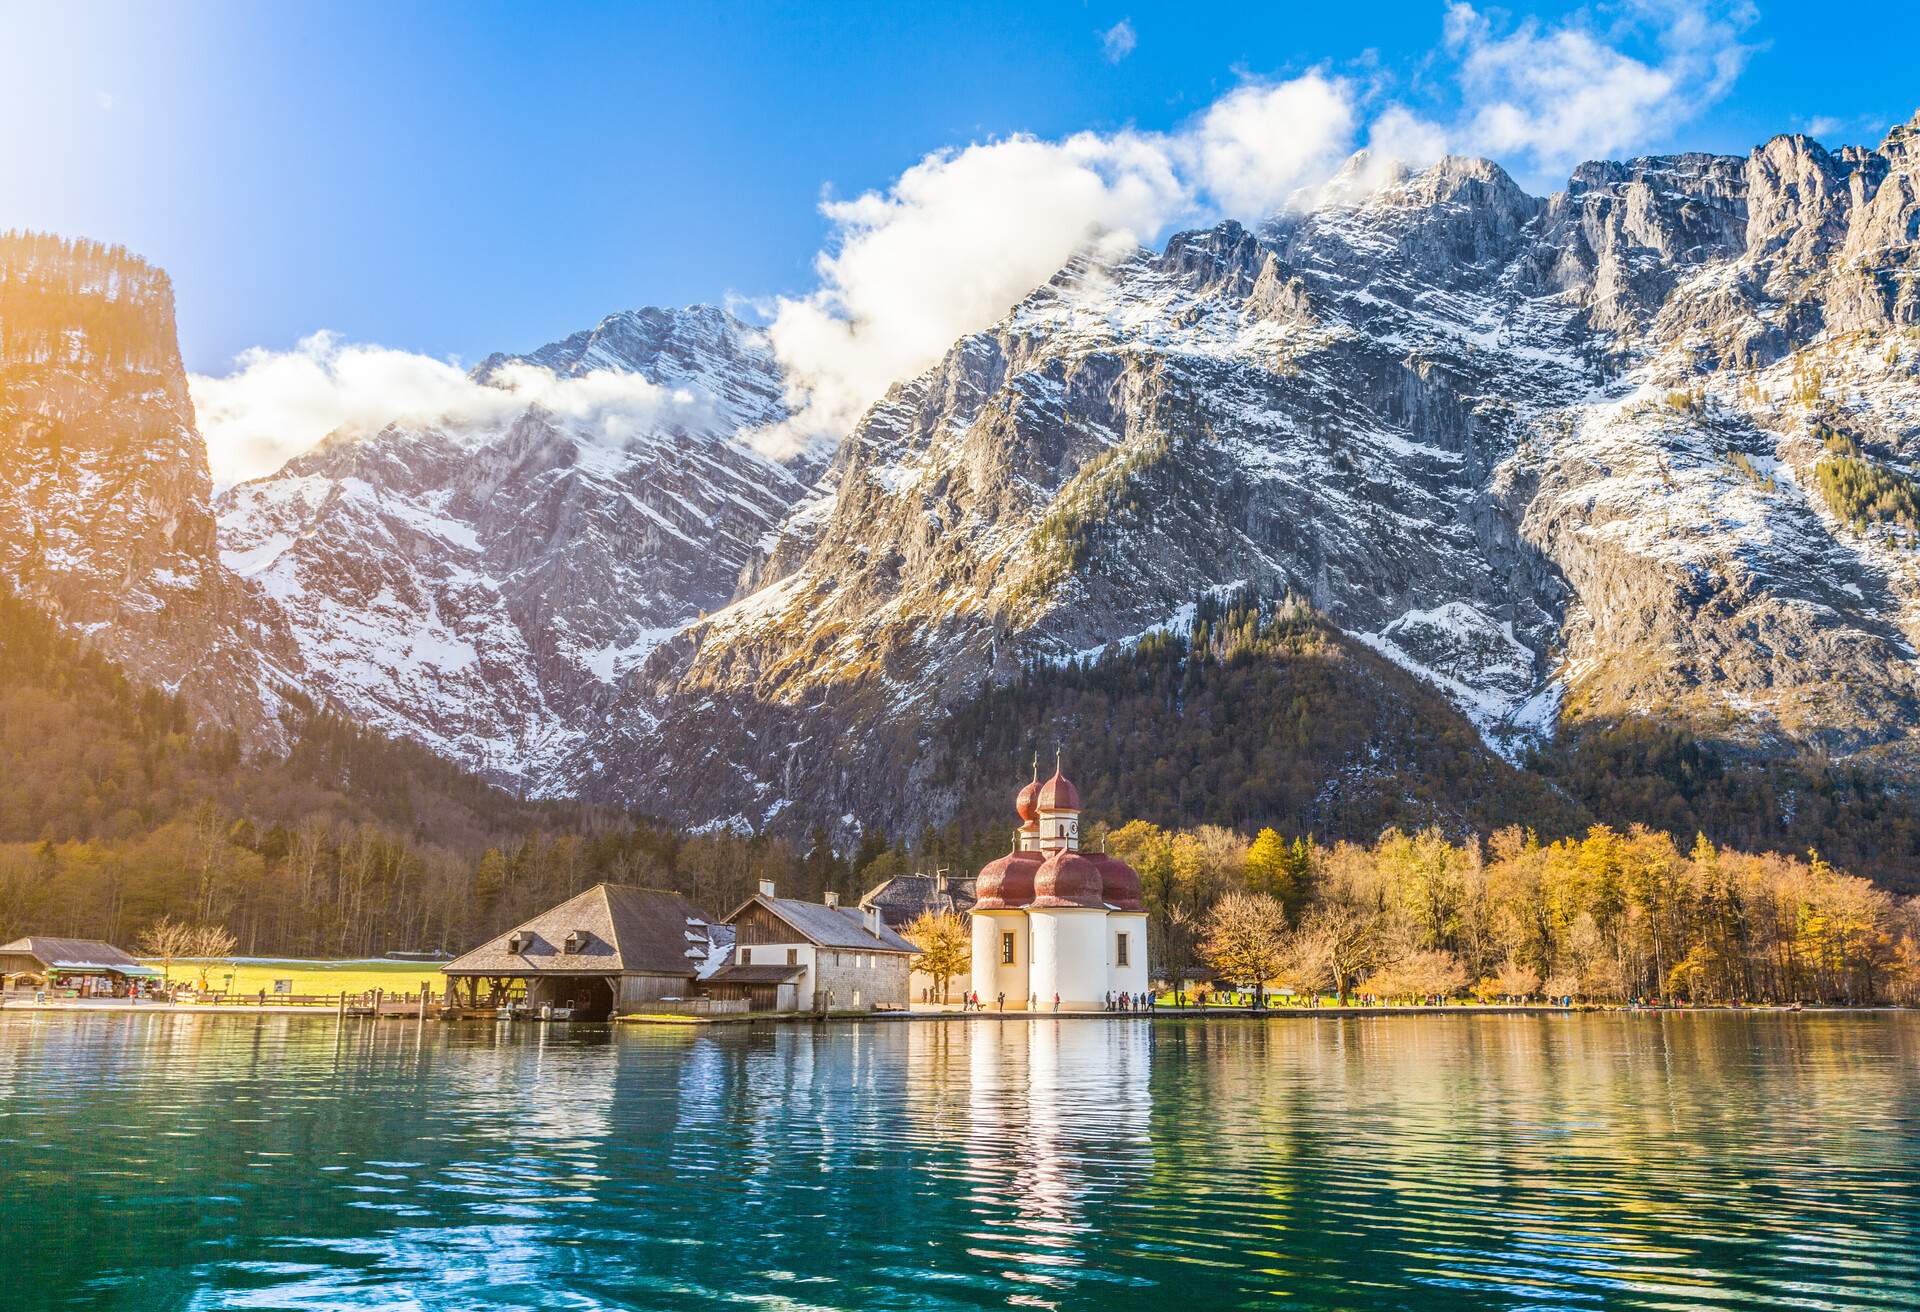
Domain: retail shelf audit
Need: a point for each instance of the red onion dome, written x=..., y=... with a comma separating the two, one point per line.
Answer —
x=1068, y=879
x=1120, y=882
x=1006, y=884
x=1059, y=794
x=1024, y=804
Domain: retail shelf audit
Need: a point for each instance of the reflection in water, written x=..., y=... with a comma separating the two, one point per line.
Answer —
x=1056, y=1132
x=1690, y=1161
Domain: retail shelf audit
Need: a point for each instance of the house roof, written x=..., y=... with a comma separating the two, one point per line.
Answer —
x=623, y=930
x=76, y=954
x=828, y=927
x=778, y=974
x=903, y=899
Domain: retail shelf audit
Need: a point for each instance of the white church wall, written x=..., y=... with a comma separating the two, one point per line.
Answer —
x=992, y=977
x=1069, y=957
x=1133, y=977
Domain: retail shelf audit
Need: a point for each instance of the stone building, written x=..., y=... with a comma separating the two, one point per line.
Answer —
x=830, y=957
x=1051, y=921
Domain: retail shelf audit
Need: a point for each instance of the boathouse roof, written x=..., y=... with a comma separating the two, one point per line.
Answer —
x=77, y=955
x=611, y=929
x=903, y=899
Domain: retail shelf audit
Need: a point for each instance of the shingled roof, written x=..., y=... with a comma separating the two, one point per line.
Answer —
x=617, y=929
x=828, y=927
x=77, y=955
x=903, y=899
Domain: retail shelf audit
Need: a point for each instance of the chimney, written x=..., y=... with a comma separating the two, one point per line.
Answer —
x=833, y=898
x=766, y=888
x=873, y=921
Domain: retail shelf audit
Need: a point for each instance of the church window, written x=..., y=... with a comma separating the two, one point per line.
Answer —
x=1006, y=949
x=1121, y=949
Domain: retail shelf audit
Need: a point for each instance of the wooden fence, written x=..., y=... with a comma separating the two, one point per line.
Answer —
x=693, y=1007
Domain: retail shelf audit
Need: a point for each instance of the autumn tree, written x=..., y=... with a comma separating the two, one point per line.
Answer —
x=1245, y=940
x=946, y=948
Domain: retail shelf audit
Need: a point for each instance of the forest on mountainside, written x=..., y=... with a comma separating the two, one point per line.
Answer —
x=67, y=303
x=1253, y=716
x=1260, y=716
x=119, y=807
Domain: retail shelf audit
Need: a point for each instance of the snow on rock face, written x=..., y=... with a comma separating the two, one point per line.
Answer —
x=482, y=589
x=1474, y=659
x=1557, y=457
x=104, y=509
x=1562, y=458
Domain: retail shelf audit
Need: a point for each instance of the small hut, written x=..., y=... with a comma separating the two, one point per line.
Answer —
x=609, y=950
x=84, y=964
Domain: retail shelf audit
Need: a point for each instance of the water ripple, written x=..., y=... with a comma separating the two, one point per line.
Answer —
x=1647, y=1162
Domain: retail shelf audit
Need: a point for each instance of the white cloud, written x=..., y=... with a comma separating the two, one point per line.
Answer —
x=1118, y=41
x=1552, y=97
x=962, y=235
x=1258, y=144
x=277, y=404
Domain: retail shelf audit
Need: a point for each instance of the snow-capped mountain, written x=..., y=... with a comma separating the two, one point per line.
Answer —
x=481, y=588
x=1641, y=447
x=1645, y=447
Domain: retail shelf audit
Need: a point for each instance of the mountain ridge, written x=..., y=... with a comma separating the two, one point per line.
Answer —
x=1647, y=448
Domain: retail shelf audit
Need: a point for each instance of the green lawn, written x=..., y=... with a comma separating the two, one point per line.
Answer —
x=314, y=976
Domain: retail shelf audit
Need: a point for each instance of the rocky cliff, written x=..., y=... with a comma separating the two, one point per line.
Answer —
x=1641, y=448
x=105, y=520
x=481, y=588
x=1641, y=452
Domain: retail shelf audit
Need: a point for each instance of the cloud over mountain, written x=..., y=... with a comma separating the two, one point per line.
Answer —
x=963, y=233
x=277, y=404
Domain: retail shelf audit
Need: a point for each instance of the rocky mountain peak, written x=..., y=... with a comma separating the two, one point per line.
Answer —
x=702, y=350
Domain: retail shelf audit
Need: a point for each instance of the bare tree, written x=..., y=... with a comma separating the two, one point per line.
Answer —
x=1334, y=945
x=1517, y=980
x=210, y=945
x=1422, y=973
x=166, y=940
x=1246, y=939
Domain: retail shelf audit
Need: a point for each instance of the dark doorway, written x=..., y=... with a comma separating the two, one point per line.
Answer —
x=590, y=996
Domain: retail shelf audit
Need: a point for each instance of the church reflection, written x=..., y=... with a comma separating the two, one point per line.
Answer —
x=1058, y=1133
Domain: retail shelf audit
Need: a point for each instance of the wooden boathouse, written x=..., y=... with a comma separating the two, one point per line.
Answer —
x=607, y=951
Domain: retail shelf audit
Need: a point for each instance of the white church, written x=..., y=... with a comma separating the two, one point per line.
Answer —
x=1052, y=922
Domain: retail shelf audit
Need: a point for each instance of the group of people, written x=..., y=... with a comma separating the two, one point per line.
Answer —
x=1129, y=1002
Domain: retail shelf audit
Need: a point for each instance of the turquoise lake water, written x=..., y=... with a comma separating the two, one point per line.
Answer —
x=1561, y=1161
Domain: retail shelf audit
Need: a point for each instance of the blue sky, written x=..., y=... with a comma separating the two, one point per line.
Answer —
x=457, y=179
